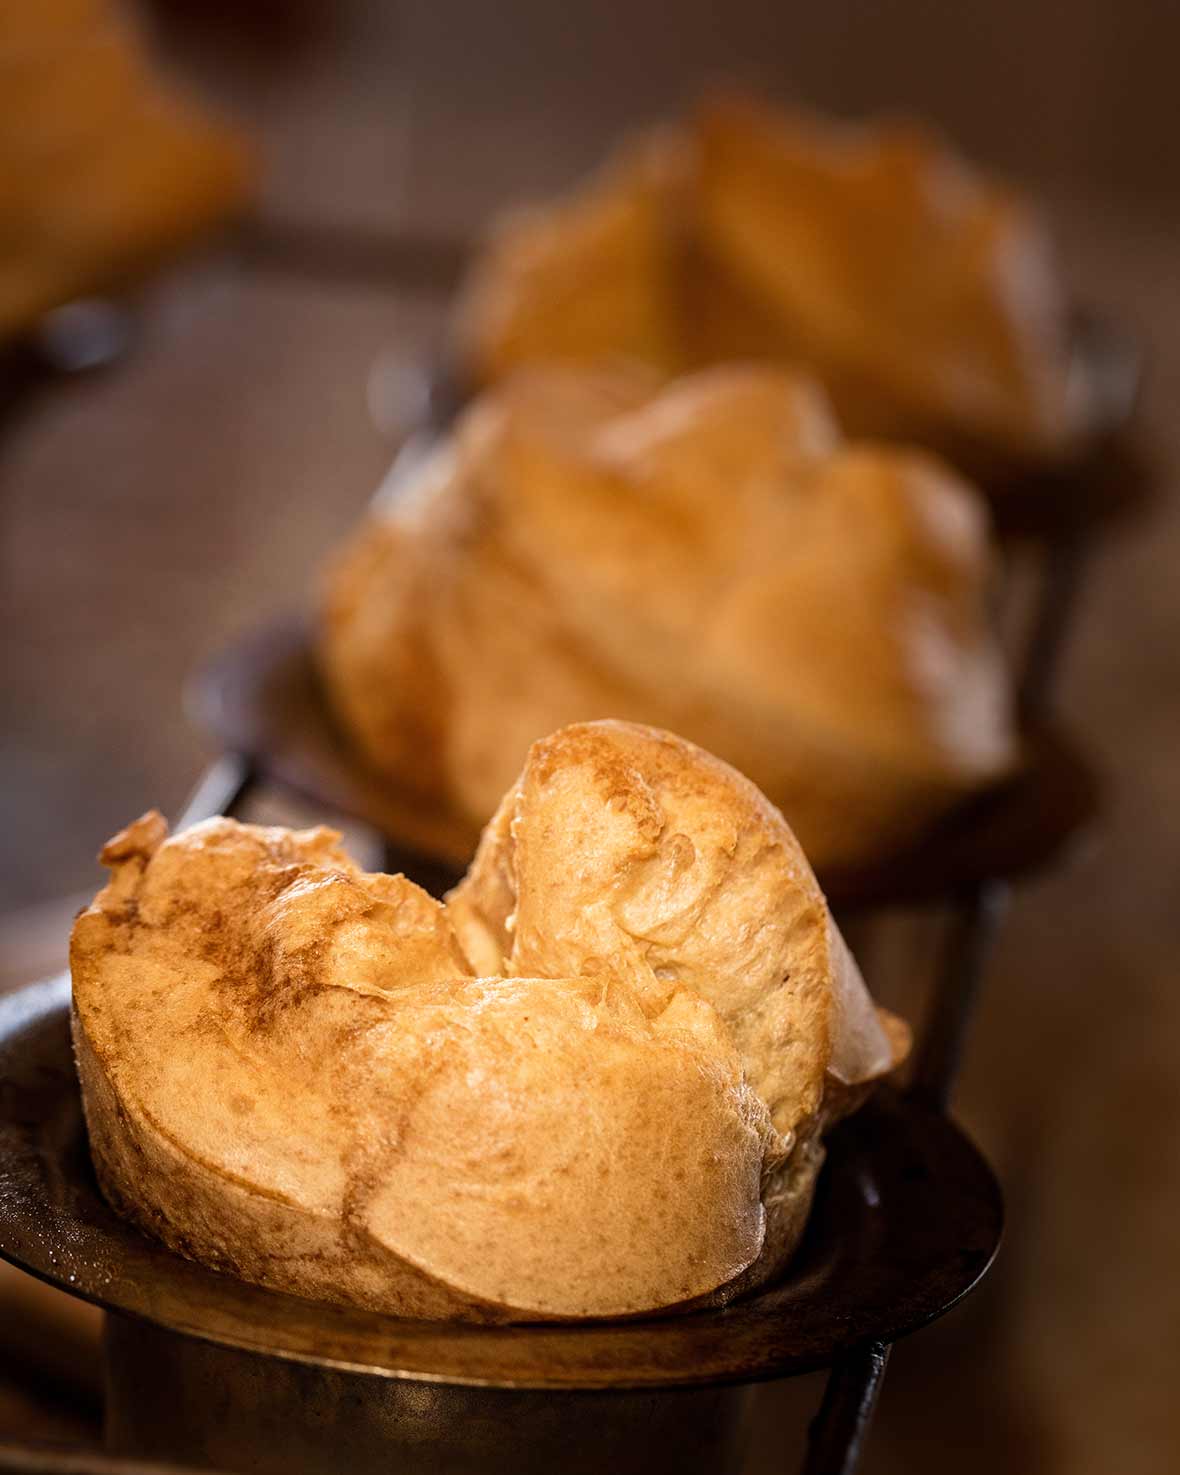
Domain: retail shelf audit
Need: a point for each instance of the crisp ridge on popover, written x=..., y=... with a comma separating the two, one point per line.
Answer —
x=594, y=1082
x=709, y=556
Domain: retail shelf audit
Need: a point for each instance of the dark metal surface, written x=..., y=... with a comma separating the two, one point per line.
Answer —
x=218, y=790
x=79, y=338
x=1105, y=476
x=263, y=699
x=176, y=1397
x=1062, y=570
x=841, y=1427
x=907, y=1219
x=1109, y=480
x=940, y=1047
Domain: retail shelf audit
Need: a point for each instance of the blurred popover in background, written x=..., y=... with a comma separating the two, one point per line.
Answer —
x=924, y=296
x=707, y=555
x=105, y=167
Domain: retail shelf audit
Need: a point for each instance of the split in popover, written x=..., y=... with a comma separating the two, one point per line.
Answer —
x=594, y=1082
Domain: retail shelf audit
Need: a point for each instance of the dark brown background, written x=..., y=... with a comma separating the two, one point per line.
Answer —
x=151, y=513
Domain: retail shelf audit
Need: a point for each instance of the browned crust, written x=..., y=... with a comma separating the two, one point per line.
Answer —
x=290, y=1071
